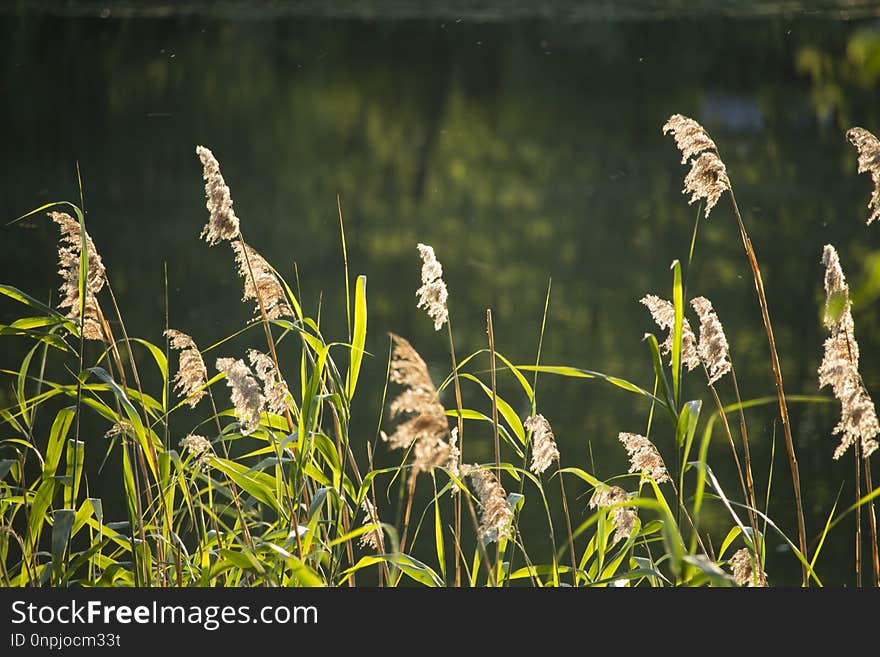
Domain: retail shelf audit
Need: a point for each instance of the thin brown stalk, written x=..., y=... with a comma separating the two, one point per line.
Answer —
x=410, y=491
x=872, y=521
x=858, y=520
x=152, y=453
x=780, y=392
x=458, y=407
x=137, y=453
x=574, y=577
x=271, y=344
x=491, y=332
x=383, y=572
x=747, y=457
x=493, y=581
x=744, y=480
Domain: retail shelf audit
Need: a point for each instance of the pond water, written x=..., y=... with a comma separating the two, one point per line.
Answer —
x=523, y=149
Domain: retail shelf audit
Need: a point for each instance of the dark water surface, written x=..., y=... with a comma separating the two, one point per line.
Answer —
x=521, y=149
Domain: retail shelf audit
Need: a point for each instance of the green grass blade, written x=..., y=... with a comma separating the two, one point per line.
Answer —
x=359, y=337
x=678, y=303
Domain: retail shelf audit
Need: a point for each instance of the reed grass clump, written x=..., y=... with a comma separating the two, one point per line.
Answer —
x=281, y=484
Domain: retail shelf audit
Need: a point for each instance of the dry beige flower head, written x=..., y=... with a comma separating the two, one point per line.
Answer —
x=433, y=293
x=119, y=429
x=743, y=567
x=624, y=517
x=200, y=447
x=260, y=283
x=712, y=347
x=544, y=450
x=690, y=137
x=707, y=178
x=496, y=516
x=868, y=147
x=192, y=375
x=840, y=364
x=274, y=386
x=663, y=313
x=246, y=396
x=222, y=224
x=69, y=254
x=644, y=457
x=374, y=538
x=427, y=426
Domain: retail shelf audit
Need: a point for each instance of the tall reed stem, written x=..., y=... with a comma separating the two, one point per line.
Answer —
x=872, y=521
x=858, y=518
x=780, y=393
x=458, y=407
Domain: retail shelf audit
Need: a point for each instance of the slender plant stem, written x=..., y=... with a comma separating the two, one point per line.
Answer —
x=745, y=481
x=495, y=431
x=410, y=492
x=858, y=518
x=568, y=527
x=780, y=392
x=458, y=406
x=872, y=521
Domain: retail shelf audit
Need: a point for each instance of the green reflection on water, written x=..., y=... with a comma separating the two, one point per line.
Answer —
x=521, y=150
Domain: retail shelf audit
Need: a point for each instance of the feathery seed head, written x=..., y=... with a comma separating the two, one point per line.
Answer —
x=222, y=224
x=840, y=364
x=544, y=450
x=199, y=447
x=663, y=313
x=644, y=457
x=260, y=283
x=868, y=147
x=246, y=396
x=192, y=375
x=374, y=538
x=433, y=293
x=274, y=386
x=624, y=517
x=690, y=137
x=496, y=516
x=712, y=347
x=707, y=180
x=426, y=425
x=119, y=429
x=744, y=572
x=69, y=254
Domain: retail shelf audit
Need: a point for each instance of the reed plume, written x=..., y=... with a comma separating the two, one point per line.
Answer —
x=624, y=517
x=247, y=399
x=840, y=364
x=374, y=538
x=663, y=313
x=433, y=293
x=275, y=388
x=544, y=450
x=222, y=224
x=199, y=447
x=69, y=255
x=712, y=347
x=868, y=147
x=260, y=282
x=742, y=565
x=426, y=427
x=690, y=137
x=644, y=457
x=119, y=429
x=496, y=516
x=707, y=178
x=192, y=375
